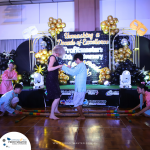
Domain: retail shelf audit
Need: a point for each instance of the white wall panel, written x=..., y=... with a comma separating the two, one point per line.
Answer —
x=107, y=7
x=48, y=10
x=125, y=9
x=66, y=11
x=30, y=14
x=142, y=9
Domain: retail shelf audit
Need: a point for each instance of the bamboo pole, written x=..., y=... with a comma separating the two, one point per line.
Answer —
x=84, y=111
x=76, y=115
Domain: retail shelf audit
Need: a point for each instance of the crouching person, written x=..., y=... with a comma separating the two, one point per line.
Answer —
x=9, y=101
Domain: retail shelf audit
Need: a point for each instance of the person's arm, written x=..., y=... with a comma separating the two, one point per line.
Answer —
x=142, y=111
x=7, y=103
x=71, y=71
x=14, y=76
x=5, y=76
x=51, y=63
x=138, y=106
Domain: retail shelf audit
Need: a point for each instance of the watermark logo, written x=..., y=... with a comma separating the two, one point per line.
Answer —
x=14, y=140
x=110, y=93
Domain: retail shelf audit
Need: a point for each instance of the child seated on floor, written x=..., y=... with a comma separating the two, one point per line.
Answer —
x=142, y=89
x=9, y=101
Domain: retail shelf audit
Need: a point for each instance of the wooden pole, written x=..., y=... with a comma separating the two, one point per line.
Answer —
x=86, y=111
x=76, y=115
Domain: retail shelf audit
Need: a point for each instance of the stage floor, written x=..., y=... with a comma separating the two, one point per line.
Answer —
x=93, y=133
x=88, y=87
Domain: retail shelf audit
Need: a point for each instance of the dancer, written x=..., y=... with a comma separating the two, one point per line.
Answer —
x=52, y=83
x=142, y=89
x=80, y=74
x=7, y=77
x=9, y=101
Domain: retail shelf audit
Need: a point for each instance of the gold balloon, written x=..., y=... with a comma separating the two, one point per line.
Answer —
x=51, y=18
x=52, y=31
x=120, y=50
x=131, y=59
x=121, y=55
x=113, y=26
x=44, y=51
x=125, y=47
x=63, y=25
x=107, y=71
x=102, y=73
x=115, y=51
x=112, y=32
x=49, y=24
x=49, y=30
x=58, y=25
x=116, y=20
x=42, y=61
x=127, y=55
x=121, y=60
x=57, y=32
x=40, y=50
x=128, y=51
x=116, y=30
x=115, y=56
x=123, y=52
x=36, y=55
x=106, y=27
x=111, y=21
x=107, y=23
x=54, y=21
x=102, y=28
x=110, y=17
x=60, y=29
x=100, y=82
x=103, y=76
x=59, y=20
x=105, y=31
x=103, y=24
x=108, y=77
x=124, y=58
x=117, y=60
x=19, y=77
x=40, y=53
x=43, y=57
x=52, y=26
x=50, y=52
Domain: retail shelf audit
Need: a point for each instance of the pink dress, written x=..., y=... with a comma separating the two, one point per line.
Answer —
x=6, y=86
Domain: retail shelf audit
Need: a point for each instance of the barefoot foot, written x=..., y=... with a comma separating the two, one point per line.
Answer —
x=80, y=118
x=53, y=117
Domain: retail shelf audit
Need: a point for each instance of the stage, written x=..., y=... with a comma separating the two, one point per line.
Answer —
x=96, y=95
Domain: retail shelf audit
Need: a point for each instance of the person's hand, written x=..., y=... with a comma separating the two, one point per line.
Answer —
x=137, y=114
x=22, y=109
x=15, y=78
x=16, y=112
x=69, y=66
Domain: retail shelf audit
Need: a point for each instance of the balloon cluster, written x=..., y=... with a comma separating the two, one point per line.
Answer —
x=5, y=57
x=110, y=23
x=42, y=56
x=136, y=75
x=104, y=75
x=63, y=78
x=25, y=78
x=56, y=26
x=122, y=54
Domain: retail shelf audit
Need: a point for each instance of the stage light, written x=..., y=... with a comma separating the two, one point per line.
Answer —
x=106, y=83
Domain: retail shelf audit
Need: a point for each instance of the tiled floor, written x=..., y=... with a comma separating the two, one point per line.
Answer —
x=93, y=133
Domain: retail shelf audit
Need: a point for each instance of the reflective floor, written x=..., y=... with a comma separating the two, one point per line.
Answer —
x=93, y=133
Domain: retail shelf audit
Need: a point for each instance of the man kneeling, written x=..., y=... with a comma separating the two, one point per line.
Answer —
x=9, y=101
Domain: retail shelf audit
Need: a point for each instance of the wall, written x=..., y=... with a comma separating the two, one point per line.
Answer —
x=126, y=11
x=14, y=19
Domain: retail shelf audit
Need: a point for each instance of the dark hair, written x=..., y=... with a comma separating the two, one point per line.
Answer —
x=18, y=86
x=79, y=56
x=11, y=63
x=142, y=86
